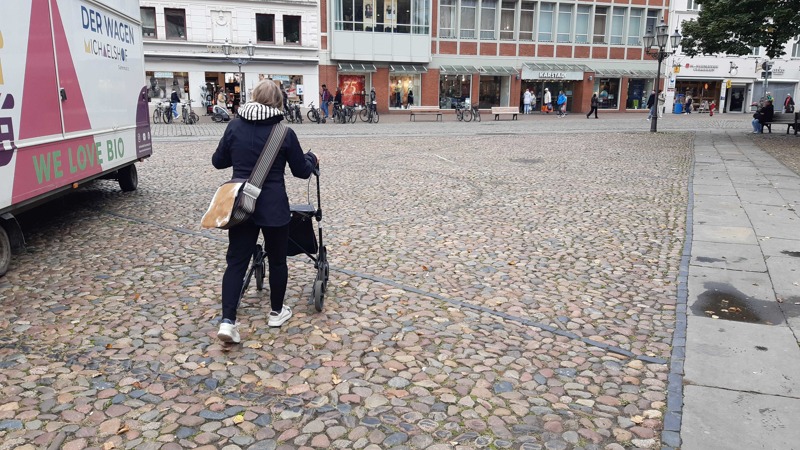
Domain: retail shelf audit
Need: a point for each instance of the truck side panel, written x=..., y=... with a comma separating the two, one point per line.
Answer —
x=97, y=93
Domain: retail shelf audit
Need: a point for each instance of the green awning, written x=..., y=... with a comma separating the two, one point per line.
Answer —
x=356, y=68
x=458, y=70
x=407, y=68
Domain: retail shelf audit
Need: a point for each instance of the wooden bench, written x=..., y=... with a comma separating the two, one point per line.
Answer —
x=497, y=111
x=424, y=110
x=790, y=120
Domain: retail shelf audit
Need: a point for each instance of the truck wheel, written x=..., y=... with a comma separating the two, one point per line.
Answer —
x=5, y=251
x=128, y=178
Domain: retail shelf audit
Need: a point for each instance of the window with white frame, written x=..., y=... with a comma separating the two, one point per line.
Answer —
x=617, y=25
x=508, y=8
x=599, y=31
x=488, y=15
x=652, y=17
x=692, y=5
x=421, y=21
x=796, y=48
x=148, y=22
x=635, y=26
x=546, y=16
x=527, y=12
x=467, y=28
x=447, y=18
x=564, y=25
x=582, y=24
x=175, y=20
x=755, y=51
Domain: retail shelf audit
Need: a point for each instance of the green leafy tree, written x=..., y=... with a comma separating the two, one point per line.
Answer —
x=735, y=27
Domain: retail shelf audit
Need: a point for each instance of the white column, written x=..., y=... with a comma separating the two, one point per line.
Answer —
x=196, y=81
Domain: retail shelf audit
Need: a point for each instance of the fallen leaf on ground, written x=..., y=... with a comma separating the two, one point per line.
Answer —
x=123, y=429
x=108, y=445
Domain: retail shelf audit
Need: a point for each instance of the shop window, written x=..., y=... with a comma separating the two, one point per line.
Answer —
x=175, y=20
x=148, y=22
x=291, y=84
x=526, y=15
x=582, y=24
x=507, y=20
x=635, y=27
x=638, y=92
x=454, y=89
x=467, y=25
x=447, y=18
x=564, y=29
x=489, y=91
x=399, y=87
x=599, y=32
x=617, y=25
x=546, y=22
x=488, y=14
x=265, y=28
x=291, y=29
x=608, y=92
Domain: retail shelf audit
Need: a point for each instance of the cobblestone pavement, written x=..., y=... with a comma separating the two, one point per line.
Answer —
x=486, y=292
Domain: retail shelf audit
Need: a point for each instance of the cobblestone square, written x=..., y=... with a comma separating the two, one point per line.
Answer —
x=504, y=291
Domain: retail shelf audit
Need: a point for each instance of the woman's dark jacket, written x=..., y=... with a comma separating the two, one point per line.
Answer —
x=594, y=101
x=766, y=114
x=240, y=147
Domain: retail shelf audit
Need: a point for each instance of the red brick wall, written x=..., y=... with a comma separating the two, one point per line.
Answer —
x=380, y=80
x=582, y=51
x=488, y=49
x=327, y=76
x=468, y=48
x=545, y=51
x=448, y=48
x=563, y=51
x=430, y=88
x=508, y=49
x=323, y=16
x=323, y=42
x=600, y=52
x=527, y=50
x=617, y=53
x=634, y=53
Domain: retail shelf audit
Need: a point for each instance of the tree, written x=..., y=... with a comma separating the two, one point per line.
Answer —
x=734, y=27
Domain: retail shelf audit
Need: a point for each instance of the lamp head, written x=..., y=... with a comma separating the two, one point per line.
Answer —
x=648, y=40
x=226, y=48
x=251, y=49
x=661, y=35
x=675, y=39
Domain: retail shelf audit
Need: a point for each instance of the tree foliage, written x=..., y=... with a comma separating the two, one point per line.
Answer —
x=734, y=27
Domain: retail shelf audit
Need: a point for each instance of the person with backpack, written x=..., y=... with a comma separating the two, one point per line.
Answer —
x=561, y=101
x=595, y=101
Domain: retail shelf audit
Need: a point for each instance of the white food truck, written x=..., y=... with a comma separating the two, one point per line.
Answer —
x=73, y=105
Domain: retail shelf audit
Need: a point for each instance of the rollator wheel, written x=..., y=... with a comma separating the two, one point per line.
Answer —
x=318, y=294
x=260, y=276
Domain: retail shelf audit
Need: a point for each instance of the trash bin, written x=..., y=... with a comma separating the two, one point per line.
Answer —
x=678, y=108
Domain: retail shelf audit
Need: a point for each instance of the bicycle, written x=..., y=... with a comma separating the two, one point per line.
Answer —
x=187, y=114
x=350, y=113
x=476, y=113
x=162, y=113
x=370, y=114
x=313, y=114
x=460, y=109
x=338, y=114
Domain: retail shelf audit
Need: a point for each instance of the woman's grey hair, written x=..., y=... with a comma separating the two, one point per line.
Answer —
x=267, y=93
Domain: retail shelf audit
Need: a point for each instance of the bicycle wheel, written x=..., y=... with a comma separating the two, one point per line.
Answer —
x=375, y=117
x=460, y=115
x=168, y=116
x=364, y=115
x=157, y=116
x=467, y=116
x=310, y=115
x=477, y=116
x=193, y=118
x=185, y=116
x=353, y=116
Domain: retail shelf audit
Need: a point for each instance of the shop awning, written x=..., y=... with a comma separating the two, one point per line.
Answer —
x=552, y=67
x=458, y=70
x=407, y=68
x=356, y=68
x=498, y=70
x=624, y=69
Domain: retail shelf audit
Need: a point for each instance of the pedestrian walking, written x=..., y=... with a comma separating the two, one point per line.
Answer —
x=240, y=147
x=788, y=104
x=660, y=104
x=561, y=101
x=651, y=104
x=711, y=107
x=595, y=100
x=548, y=101
x=373, y=105
x=221, y=98
x=326, y=97
x=410, y=98
x=173, y=101
x=526, y=101
x=688, y=104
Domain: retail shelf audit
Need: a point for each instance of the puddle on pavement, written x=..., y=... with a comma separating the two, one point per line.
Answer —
x=788, y=253
x=706, y=259
x=724, y=302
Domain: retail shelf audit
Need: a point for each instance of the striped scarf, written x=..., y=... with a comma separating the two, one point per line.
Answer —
x=256, y=111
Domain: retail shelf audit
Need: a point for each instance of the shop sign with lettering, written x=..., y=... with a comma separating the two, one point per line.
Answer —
x=235, y=49
x=702, y=67
x=162, y=74
x=528, y=74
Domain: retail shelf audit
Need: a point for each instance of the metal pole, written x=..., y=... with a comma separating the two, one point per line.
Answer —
x=654, y=119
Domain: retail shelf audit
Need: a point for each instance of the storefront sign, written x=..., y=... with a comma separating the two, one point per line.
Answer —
x=528, y=74
x=235, y=49
x=778, y=71
x=162, y=74
x=702, y=67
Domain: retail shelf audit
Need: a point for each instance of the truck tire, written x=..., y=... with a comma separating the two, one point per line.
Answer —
x=128, y=178
x=5, y=251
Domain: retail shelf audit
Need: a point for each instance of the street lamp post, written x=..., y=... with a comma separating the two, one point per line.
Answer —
x=656, y=47
x=251, y=50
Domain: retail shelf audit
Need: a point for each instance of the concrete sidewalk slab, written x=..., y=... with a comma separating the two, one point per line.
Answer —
x=715, y=290
x=720, y=419
x=726, y=235
x=742, y=356
x=728, y=256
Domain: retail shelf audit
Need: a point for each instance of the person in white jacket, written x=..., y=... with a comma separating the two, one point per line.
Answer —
x=526, y=101
x=548, y=100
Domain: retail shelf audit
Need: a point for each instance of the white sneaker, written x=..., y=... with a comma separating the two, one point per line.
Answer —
x=276, y=319
x=228, y=332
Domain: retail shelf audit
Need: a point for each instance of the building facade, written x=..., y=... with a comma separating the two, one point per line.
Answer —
x=734, y=83
x=183, y=47
x=489, y=51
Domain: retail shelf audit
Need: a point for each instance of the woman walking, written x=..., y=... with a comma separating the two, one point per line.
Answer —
x=240, y=147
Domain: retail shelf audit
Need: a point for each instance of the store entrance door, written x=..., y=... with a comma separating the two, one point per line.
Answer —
x=736, y=96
